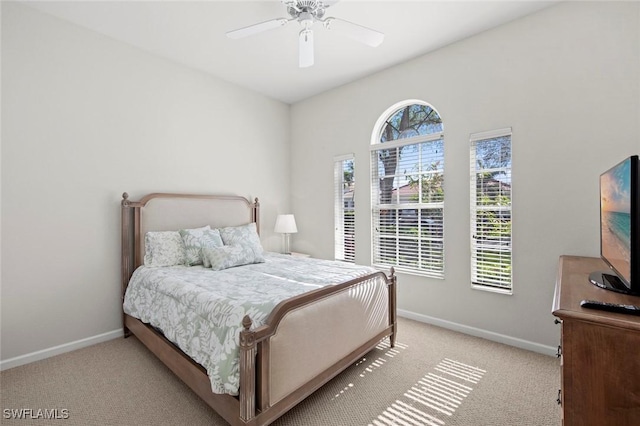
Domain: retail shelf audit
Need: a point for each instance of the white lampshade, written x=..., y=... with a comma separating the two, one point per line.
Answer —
x=286, y=224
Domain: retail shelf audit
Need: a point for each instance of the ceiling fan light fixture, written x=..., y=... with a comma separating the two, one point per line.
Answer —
x=305, y=46
x=306, y=20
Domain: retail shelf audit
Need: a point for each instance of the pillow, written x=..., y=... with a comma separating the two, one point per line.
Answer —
x=195, y=239
x=245, y=235
x=229, y=256
x=163, y=248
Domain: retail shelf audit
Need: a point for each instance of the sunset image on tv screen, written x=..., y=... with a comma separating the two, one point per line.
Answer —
x=615, y=204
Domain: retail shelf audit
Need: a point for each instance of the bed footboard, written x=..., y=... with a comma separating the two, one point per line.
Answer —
x=310, y=339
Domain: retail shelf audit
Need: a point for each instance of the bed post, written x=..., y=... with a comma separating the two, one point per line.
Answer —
x=392, y=308
x=256, y=214
x=247, y=371
x=126, y=251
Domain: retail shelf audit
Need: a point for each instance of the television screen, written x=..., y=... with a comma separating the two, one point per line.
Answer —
x=620, y=228
x=615, y=218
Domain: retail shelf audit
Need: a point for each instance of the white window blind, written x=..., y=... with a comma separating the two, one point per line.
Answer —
x=407, y=177
x=344, y=216
x=491, y=249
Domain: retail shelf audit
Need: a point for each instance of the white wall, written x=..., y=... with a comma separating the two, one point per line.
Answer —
x=565, y=79
x=86, y=118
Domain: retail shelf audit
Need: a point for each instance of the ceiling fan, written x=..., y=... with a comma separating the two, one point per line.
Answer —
x=307, y=12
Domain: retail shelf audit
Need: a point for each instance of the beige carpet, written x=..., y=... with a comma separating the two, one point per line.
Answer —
x=433, y=377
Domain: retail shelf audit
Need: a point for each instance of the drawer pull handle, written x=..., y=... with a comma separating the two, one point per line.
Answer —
x=559, y=352
x=557, y=321
x=559, y=400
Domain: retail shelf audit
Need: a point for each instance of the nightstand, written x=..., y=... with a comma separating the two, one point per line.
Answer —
x=295, y=254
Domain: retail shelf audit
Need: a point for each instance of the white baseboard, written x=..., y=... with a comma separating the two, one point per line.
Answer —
x=478, y=332
x=489, y=335
x=60, y=349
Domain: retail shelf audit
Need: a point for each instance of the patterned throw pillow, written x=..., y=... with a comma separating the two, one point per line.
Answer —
x=163, y=248
x=195, y=239
x=244, y=235
x=229, y=256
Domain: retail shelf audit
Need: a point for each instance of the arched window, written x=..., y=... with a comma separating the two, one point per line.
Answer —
x=407, y=158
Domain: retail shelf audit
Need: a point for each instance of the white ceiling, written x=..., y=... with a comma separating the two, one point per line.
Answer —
x=193, y=33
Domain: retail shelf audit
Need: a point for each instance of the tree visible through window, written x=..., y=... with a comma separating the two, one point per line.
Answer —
x=491, y=254
x=344, y=217
x=407, y=191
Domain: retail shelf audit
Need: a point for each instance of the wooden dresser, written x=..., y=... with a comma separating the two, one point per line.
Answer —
x=600, y=351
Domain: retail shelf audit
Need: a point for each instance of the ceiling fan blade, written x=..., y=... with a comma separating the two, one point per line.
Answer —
x=257, y=28
x=328, y=3
x=306, y=48
x=357, y=32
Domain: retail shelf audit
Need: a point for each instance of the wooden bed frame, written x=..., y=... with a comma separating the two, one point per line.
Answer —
x=255, y=404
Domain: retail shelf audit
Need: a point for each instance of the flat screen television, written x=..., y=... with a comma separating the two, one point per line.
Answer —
x=620, y=228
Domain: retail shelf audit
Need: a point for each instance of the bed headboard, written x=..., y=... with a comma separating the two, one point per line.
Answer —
x=171, y=212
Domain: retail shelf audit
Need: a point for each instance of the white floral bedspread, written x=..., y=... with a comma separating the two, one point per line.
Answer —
x=201, y=310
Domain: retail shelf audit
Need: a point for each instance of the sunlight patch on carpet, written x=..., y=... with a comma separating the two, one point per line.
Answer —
x=391, y=352
x=371, y=366
x=434, y=397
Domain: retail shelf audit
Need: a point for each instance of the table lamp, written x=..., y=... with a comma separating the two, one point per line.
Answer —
x=286, y=224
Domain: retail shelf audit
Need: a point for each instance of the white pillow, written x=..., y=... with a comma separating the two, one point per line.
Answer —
x=163, y=248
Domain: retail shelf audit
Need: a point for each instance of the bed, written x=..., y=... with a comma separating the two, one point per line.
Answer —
x=283, y=356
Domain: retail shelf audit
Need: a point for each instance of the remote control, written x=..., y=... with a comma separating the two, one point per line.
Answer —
x=612, y=307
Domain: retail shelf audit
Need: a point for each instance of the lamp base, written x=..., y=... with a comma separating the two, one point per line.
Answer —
x=287, y=248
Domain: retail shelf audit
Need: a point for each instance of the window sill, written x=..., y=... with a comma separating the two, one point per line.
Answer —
x=400, y=269
x=508, y=292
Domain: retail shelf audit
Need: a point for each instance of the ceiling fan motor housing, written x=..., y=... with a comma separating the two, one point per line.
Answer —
x=304, y=10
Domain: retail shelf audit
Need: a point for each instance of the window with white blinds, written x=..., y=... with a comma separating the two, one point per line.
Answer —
x=407, y=181
x=344, y=216
x=491, y=250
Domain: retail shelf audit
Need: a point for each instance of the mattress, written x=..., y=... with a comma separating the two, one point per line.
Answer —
x=201, y=310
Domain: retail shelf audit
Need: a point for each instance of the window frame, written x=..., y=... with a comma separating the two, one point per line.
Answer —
x=341, y=252
x=498, y=285
x=376, y=206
